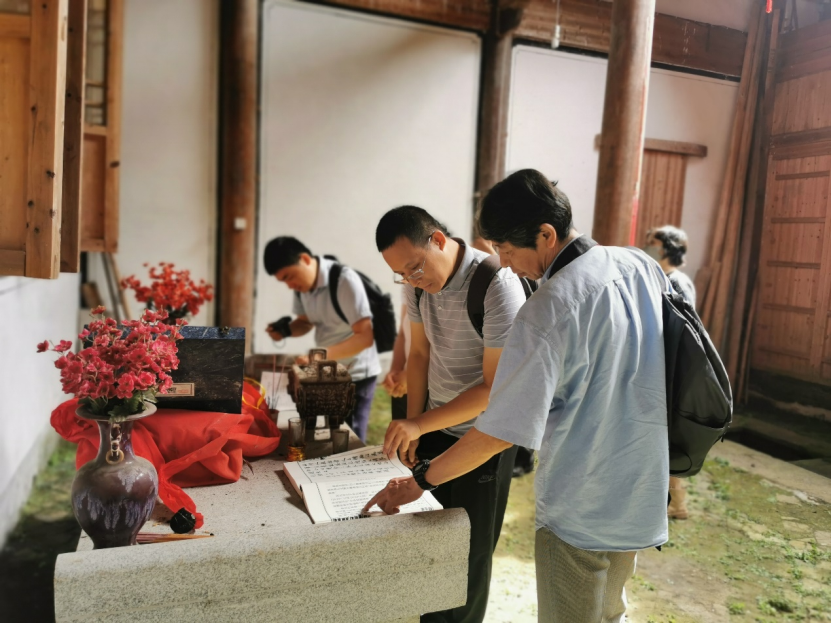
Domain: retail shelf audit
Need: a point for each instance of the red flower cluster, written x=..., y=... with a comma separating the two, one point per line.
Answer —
x=172, y=290
x=119, y=367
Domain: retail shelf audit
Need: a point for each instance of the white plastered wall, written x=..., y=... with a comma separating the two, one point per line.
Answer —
x=360, y=114
x=31, y=310
x=557, y=110
x=169, y=135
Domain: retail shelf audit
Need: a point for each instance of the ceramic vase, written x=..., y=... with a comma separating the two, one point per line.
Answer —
x=114, y=494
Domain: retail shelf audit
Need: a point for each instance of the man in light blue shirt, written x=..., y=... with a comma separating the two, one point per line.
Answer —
x=581, y=379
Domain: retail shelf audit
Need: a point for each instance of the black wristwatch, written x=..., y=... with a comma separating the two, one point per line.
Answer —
x=419, y=471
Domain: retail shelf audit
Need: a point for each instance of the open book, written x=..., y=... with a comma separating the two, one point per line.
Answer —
x=336, y=488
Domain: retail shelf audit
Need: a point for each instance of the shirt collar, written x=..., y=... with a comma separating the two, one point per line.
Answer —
x=458, y=280
x=548, y=268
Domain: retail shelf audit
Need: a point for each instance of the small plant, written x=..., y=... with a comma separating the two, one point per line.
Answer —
x=736, y=607
x=775, y=605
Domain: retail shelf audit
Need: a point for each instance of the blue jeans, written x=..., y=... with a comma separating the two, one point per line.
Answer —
x=359, y=419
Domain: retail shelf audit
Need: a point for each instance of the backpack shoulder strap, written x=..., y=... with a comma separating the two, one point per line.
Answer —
x=577, y=248
x=478, y=289
x=334, y=279
x=528, y=286
x=418, y=293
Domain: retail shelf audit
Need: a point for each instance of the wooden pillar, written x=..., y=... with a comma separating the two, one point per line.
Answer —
x=492, y=136
x=624, y=114
x=239, y=50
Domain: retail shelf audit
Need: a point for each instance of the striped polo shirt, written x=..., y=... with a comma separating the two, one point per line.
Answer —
x=456, y=350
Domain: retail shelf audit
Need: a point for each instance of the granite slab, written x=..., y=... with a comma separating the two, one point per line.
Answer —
x=266, y=561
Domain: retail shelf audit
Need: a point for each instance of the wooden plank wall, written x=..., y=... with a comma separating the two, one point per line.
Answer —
x=14, y=129
x=662, y=191
x=32, y=95
x=792, y=331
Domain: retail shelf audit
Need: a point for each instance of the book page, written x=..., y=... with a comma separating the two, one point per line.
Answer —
x=340, y=501
x=360, y=464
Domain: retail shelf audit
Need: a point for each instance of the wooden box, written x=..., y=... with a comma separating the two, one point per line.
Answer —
x=210, y=373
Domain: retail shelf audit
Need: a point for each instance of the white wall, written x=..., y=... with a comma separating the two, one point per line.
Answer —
x=360, y=114
x=557, y=110
x=168, y=141
x=31, y=310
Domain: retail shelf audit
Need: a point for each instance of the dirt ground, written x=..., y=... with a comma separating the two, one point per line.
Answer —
x=752, y=550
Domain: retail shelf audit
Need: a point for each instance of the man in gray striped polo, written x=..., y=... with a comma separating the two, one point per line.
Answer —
x=449, y=374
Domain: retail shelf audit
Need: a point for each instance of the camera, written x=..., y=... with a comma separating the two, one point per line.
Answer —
x=282, y=326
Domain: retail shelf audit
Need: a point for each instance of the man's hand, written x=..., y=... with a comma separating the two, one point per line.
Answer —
x=274, y=335
x=399, y=491
x=399, y=435
x=408, y=456
x=396, y=383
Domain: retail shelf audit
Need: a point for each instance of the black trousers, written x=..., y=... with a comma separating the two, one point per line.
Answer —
x=399, y=408
x=483, y=493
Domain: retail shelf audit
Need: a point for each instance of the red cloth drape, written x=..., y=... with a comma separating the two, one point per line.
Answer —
x=187, y=448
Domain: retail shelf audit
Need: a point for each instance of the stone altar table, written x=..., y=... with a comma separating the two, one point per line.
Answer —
x=267, y=562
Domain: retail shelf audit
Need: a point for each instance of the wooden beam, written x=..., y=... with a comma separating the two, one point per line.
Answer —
x=115, y=70
x=493, y=108
x=48, y=82
x=239, y=45
x=13, y=25
x=467, y=14
x=672, y=147
x=624, y=117
x=747, y=289
x=586, y=24
x=73, y=137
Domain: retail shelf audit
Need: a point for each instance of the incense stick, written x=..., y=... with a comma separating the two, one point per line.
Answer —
x=144, y=538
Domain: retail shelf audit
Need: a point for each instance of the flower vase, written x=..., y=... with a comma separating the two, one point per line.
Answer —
x=114, y=494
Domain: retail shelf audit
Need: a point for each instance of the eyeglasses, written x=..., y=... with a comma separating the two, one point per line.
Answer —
x=417, y=275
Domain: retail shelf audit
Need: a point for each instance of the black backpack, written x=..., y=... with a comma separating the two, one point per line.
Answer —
x=384, y=327
x=478, y=290
x=699, y=398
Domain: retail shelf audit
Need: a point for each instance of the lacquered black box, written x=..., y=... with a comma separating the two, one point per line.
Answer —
x=210, y=374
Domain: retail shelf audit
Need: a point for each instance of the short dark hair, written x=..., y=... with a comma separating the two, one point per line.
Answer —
x=674, y=241
x=514, y=209
x=281, y=252
x=410, y=222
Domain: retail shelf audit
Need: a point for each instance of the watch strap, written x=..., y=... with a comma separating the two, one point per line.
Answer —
x=419, y=474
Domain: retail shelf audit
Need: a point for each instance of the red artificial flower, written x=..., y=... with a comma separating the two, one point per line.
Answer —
x=171, y=290
x=119, y=361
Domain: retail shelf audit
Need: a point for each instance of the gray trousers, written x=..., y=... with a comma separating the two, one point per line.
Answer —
x=579, y=586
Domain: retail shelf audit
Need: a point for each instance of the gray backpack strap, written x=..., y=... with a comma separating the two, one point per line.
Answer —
x=479, y=284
